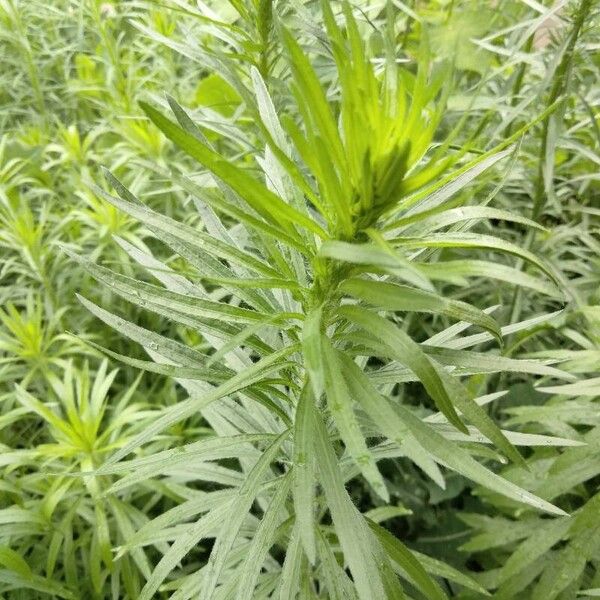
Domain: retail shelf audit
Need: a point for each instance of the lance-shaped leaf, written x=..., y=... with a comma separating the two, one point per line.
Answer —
x=339, y=401
x=391, y=296
x=304, y=472
x=364, y=555
x=239, y=508
x=257, y=195
x=409, y=353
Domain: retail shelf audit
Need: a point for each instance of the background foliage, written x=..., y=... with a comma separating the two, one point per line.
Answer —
x=501, y=130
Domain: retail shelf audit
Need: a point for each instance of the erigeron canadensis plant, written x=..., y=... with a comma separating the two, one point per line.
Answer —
x=299, y=283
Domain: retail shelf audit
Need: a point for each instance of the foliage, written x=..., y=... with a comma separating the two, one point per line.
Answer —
x=348, y=266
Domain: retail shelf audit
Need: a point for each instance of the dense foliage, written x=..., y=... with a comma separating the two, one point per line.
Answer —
x=300, y=299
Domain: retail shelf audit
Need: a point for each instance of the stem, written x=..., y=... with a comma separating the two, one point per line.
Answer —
x=264, y=26
x=518, y=84
x=561, y=80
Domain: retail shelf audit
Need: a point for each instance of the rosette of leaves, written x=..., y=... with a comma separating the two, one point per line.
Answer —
x=301, y=284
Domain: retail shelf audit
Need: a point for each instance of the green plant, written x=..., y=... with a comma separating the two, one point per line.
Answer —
x=67, y=523
x=302, y=284
x=508, y=115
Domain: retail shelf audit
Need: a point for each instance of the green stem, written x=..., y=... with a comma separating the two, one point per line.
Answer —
x=560, y=83
x=518, y=84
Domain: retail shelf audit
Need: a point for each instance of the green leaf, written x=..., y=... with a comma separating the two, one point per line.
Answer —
x=257, y=195
x=536, y=545
x=457, y=459
x=408, y=562
x=441, y=569
x=339, y=401
x=168, y=229
x=18, y=582
x=195, y=532
x=384, y=417
x=289, y=580
x=215, y=93
x=155, y=298
x=304, y=472
x=312, y=349
x=240, y=506
x=394, y=297
x=161, y=463
x=587, y=387
x=427, y=222
x=185, y=409
x=401, y=347
x=263, y=539
x=568, y=564
x=364, y=555
x=15, y=562
x=380, y=259
x=474, y=413
x=454, y=271
x=473, y=240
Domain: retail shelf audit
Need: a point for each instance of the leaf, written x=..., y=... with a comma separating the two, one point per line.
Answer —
x=185, y=409
x=204, y=502
x=423, y=201
x=167, y=229
x=457, y=459
x=483, y=362
x=431, y=221
x=473, y=240
x=155, y=298
x=364, y=555
x=289, y=580
x=587, y=387
x=304, y=473
x=368, y=254
x=472, y=165
x=15, y=562
x=215, y=93
x=183, y=544
x=163, y=462
x=379, y=411
x=263, y=539
x=237, y=512
x=258, y=196
x=568, y=563
x=405, y=350
x=454, y=271
x=312, y=349
x=337, y=582
x=453, y=456
x=16, y=581
x=240, y=214
x=441, y=569
x=170, y=349
x=536, y=545
x=339, y=401
x=478, y=338
x=462, y=399
x=410, y=564
x=391, y=296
